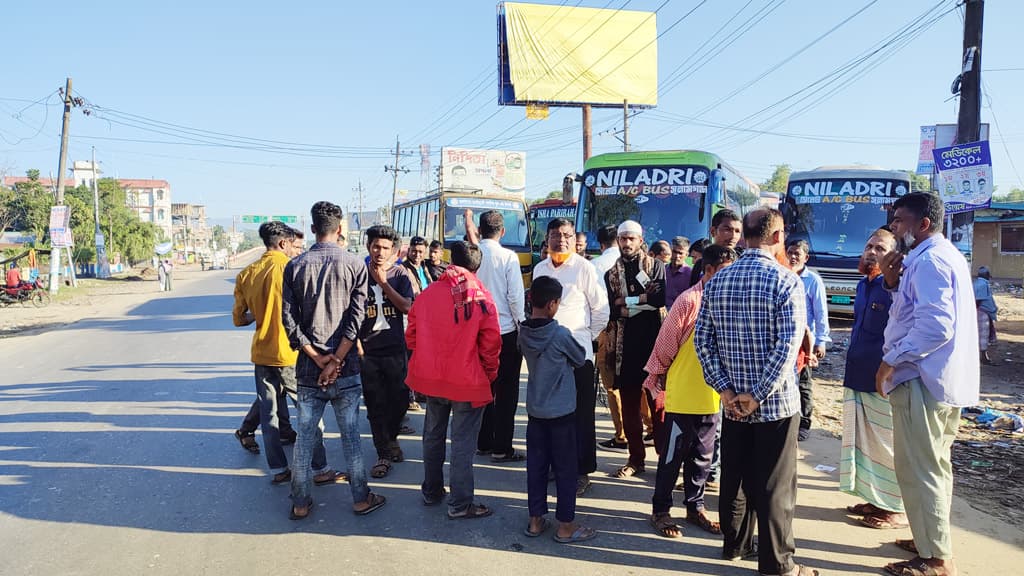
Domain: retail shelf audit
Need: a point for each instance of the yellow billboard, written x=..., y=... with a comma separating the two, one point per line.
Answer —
x=572, y=56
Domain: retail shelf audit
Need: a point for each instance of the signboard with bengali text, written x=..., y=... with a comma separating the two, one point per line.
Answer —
x=964, y=176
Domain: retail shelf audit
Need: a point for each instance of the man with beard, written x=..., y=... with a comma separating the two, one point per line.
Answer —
x=415, y=263
x=584, y=311
x=866, y=464
x=636, y=294
x=930, y=370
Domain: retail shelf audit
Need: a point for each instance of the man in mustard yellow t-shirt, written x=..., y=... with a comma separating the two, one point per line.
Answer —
x=692, y=408
x=258, y=297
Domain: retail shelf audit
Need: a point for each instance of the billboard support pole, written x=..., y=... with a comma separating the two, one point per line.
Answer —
x=586, y=132
x=625, y=125
x=968, y=127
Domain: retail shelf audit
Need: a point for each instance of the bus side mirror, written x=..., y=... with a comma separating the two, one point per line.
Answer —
x=716, y=186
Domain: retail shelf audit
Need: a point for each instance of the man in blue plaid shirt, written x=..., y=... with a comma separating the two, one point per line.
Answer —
x=748, y=335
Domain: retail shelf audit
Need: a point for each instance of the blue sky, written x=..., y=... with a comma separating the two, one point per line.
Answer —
x=356, y=75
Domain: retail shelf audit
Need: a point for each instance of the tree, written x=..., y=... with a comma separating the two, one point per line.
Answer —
x=8, y=214
x=918, y=182
x=1014, y=195
x=31, y=206
x=778, y=180
x=551, y=195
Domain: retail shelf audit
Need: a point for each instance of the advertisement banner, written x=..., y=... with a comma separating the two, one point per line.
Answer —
x=486, y=171
x=965, y=176
x=925, y=163
x=60, y=227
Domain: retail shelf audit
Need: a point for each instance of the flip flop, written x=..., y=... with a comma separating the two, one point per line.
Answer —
x=544, y=525
x=880, y=522
x=471, y=512
x=581, y=534
x=375, y=501
x=330, y=477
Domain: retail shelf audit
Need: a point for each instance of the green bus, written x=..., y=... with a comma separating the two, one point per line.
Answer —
x=670, y=193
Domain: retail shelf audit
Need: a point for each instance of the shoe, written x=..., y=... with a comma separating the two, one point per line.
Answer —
x=582, y=485
x=288, y=439
x=613, y=444
x=803, y=434
x=415, y=406
x=649, y=437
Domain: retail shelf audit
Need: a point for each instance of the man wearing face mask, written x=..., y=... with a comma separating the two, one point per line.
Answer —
x=930, y=369
x=636, y=294
x=584, y=311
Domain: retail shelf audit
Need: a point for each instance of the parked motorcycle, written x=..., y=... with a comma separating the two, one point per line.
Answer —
x=25, y=292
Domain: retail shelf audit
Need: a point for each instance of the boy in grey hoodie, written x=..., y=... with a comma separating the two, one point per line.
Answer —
x=551, y=355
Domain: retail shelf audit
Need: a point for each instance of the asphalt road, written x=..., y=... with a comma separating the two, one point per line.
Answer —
x=117, y=458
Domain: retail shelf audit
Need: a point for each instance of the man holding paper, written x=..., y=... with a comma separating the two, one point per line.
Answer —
x=636, y=294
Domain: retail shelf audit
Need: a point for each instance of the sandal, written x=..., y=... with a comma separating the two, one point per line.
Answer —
x=863, y=509
x=664, y=525
x=883, y=521
x=701, y=519
x=248, y=441
x=293, y=516
x=581, y=534
x=396, y=453
x=907, y=545
x=628, y=471
x=915, y=567
x=512, y=456
x=472, y=511
x=381, y=468
x=330, y=477
x=373, y=502
x=281, y=477
x=544, y=525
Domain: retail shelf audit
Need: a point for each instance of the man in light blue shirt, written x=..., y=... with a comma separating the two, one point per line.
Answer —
x=817, y=322
x=929, y=369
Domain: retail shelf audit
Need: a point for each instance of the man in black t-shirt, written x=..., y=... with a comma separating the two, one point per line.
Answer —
x=382, y=336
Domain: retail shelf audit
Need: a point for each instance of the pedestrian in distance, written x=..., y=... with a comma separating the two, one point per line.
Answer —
x=552, y=354
x=455, y=342
x=581, y=244
x=798, y=251
x=499, y=273
x=866, y=466
x=324, y=303
x=749, y=330
x=929, y=370
x=691, y=407
x=382, y=340
x=987, y=311
x=584, y=311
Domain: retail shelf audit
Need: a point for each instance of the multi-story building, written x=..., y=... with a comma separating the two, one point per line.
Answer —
x=189, y=230
x=151, y=200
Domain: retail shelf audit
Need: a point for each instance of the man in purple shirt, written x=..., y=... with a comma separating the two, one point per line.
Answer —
x=677, y=273
x=930, y=369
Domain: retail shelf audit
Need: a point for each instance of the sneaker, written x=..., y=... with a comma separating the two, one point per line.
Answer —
x=803, y=434
x=613, y=444
x=582, y=485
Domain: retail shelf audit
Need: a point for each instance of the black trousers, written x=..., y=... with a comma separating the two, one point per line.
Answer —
x=386, y=397
x=759, y=487
x=686, y=443
x=499, y=423
x=806, y=398
x=586, y=432
x=252, y=418
x=551, y=445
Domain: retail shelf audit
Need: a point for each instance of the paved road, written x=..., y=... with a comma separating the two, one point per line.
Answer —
x=117, y=458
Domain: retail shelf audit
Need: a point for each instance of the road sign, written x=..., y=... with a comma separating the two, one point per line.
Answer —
x=253, y=219
x=286, y=219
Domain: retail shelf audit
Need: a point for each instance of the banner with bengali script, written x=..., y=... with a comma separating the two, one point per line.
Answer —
x=964, y=176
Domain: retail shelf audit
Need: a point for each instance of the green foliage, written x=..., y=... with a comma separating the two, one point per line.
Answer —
x=778, y=180
x=553, y=194
x=250, y=239
x=918, y=182
x=1014, y=195
x=31, y=206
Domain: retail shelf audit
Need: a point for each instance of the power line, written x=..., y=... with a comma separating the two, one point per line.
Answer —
x=999, y=131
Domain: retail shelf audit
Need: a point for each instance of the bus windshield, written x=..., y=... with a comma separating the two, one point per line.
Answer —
x=836, y=217
x=540, y=216
x=512, y=211
x=666, y=201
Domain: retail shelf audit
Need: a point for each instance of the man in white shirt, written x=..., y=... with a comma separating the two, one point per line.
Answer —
x=609, y=254
x=499, y=273
x=584, y=311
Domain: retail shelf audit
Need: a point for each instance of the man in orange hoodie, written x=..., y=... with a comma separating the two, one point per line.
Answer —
x=455, y=341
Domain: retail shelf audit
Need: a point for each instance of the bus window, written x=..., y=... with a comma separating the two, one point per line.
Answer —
x=431, y=230
x=421, y=223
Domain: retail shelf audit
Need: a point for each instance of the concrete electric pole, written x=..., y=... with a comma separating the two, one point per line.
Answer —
x=102, y=264
x=59, y=197
x=395, y=169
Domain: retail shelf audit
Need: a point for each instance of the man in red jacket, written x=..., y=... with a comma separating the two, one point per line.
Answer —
x=455, y=341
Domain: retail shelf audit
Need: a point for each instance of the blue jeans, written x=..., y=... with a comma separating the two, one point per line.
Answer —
x=465, y=430
x=344, y=395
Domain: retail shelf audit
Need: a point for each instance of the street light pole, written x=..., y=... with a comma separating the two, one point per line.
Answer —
x=102, y=264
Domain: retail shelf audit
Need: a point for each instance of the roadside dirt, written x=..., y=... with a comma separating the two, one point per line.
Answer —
x=988, y=464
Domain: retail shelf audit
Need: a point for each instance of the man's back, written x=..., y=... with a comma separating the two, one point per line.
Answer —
x=499, y=273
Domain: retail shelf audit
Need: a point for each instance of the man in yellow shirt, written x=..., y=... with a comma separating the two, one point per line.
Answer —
x=258, y=298
x=692, y=408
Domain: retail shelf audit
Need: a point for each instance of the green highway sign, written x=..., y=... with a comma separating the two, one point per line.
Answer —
x=253, y=219
x=286, y=219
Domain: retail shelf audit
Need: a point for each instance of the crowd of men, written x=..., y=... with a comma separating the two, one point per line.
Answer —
x=706, y=349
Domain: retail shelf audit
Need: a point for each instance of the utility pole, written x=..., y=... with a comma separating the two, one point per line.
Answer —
x=102, y=264
x=625, y=126
x=59, y=199
x=359, y=214
x=395, y=169
x=968, y=128
x=586, y=132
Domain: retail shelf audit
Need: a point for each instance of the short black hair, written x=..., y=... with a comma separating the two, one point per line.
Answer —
x=722, y=216
x=661, y=247
x=544, y=290
x=491, y=224
x=383, y=232
x=435, y=244
x=557, y=223
x=606, y=235
x=326, y=217
x=803, y=244
x=466, y=255
x=273, y=232
x=757, y=225
x=419, y=241
x=716, y=255
x=299, y=233
x=700, y=245
x=923, y=205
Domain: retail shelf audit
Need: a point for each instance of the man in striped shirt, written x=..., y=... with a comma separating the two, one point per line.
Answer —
x=748, y=334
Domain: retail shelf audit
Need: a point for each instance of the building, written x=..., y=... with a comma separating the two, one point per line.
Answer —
x=83, y=173
x=150, y=200
x=999, y=240
x=189, y=231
